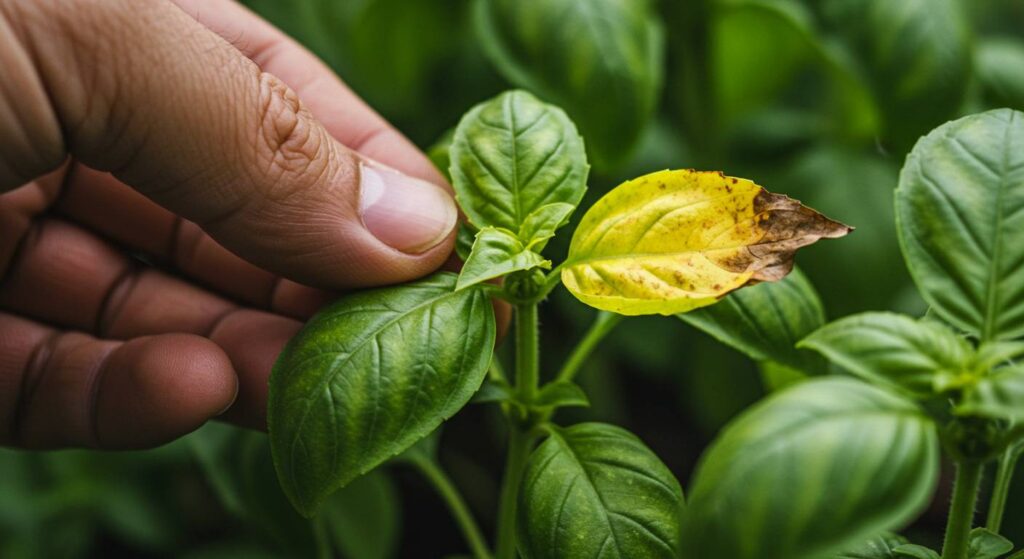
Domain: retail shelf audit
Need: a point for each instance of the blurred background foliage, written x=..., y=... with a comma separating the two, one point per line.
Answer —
x=817, y=99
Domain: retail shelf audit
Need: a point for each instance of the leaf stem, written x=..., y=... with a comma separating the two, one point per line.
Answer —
x=520, y=439
x=456, y=504
x=961, y=512
x=602, y=325
x=1001, y=489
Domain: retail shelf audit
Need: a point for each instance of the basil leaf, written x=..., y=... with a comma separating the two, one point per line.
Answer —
x=595, y=490
x=768, y=486
x=1000, y=394
x=513, y=154
x=561, y=394
x=464, y=240
x=999, y=65
x=914, y=551
x=542, y=223
x=765, y=321
x=601, y=59
x=878, y=547
x=497, y=252
x=915, y=53
x=894, y=350
x=745, y=34
x=960, y=209
x=985, y=544
x=676, y=240
x=362, y=519
x=369, y=376
x=775, y=376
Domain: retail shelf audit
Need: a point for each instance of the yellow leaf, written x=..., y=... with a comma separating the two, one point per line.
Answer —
x=673, y=241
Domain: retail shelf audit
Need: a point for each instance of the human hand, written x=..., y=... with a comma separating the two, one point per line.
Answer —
x=154, y=135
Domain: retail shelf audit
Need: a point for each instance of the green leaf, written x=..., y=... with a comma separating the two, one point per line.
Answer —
x=464, y=240
x=775, y=376
x=542, y=223
x=766, y=321
x=676, y=240
x=595, y=490
x=494, y=391
x=238, y=464
x=915, y=55
x=369, y=376
x=985, y=544
x=497, y=252
x=561, y=394
x=438, y=153
x=512, y=155
x=914, y=551
x=960, y=209
x=601, y=59
x=1000, y=394
x=878, y=547
x=810, y=471
x=748, y=32
x=999, y=65
x=894, y=350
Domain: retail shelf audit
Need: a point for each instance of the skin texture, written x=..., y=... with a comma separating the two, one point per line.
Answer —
x=173, y=178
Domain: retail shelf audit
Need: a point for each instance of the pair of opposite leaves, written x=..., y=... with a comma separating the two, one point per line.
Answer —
x=664, y=243
x=377, y=371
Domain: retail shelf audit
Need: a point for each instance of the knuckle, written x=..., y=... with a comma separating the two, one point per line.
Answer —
x=292, y=151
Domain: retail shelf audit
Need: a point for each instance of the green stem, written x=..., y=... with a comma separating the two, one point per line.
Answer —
x=1018, y=555
x=520, y=440
x=456, y=504
x=961, y=512
x=515, y=464
x=602, y=325
x=1001, y=489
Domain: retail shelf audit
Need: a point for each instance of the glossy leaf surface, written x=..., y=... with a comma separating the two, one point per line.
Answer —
x=960, y=212
x=766, y=321
x=985, y=544
x=596, y=491
x=369, y=376
x=915, y=55
x=895, y=350
x=999, y=64
x=879, y=547
x=512, y=155
x=1000, y=394
x=542, y=223
x=497, y=252
x=600, y=59
x=769, y=486
x=673, y=241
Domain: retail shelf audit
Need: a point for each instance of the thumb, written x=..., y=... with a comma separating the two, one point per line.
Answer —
x=182, y=116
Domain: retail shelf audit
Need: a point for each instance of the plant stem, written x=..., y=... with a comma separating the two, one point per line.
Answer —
x=520, y=440
x=1018, y=555
x=527, y=354
x=961, y=512
x=515, y=463
x=602, y=325
x=1001, y=490
x=456, y=504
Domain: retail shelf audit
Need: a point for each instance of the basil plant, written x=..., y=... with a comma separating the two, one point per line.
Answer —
x=372, y=376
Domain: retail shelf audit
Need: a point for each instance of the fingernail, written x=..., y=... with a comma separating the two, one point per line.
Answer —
x=405, y=213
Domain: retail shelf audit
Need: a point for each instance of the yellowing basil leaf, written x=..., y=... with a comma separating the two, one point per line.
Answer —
x=497, y=252
x=542, y=223
x=673, y=241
